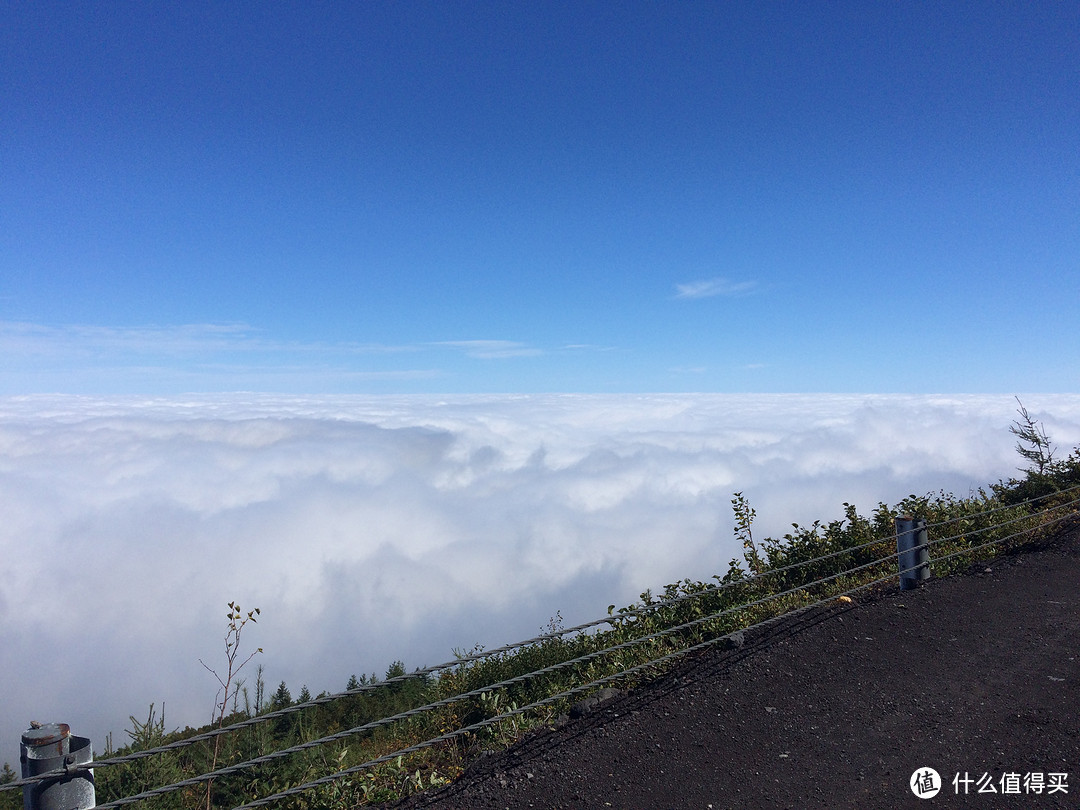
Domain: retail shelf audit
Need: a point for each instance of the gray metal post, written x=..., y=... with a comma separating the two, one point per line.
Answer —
x=50, y=747
x=912, y=554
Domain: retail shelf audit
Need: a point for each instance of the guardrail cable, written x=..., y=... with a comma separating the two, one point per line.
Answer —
x=1073, y=503
x=447, y=665
x=480, y=690
x=832, y=598
x=477, y=656
x=1004, y=507
x=551, y=669
x=613, y=620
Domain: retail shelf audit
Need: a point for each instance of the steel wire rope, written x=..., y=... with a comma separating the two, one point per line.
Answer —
x=491, y=687
x=488, y=688
x=547, y=636
x=988, y=543
x=709, y=590
x=1075, y=502
x=480, y=690
x=599, y=681
x=553, y=668
x=610, y=619
x=457, y=662
x=1003, y=507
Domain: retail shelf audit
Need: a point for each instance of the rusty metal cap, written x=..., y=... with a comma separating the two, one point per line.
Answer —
x=46, y=734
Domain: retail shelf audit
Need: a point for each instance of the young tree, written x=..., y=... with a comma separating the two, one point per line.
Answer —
x=282, y=698
x=9, y=799
x=1033, y=444
x=260, y=690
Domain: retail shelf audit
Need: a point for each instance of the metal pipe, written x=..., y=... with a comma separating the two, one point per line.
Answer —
x=913, y=557
x=50, y=747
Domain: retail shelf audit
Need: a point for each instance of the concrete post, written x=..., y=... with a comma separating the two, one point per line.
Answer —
x=912, y=552
x=50, y=747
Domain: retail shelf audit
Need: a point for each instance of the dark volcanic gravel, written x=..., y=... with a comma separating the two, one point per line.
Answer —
x=838, y=707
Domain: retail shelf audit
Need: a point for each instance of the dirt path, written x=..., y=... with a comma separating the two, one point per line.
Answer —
x=975, y=674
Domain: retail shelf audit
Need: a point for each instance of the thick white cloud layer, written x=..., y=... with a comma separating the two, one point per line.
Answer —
x=369, y=529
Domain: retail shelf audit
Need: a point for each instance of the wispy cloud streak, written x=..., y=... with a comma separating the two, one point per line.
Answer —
x=492, y=349
x=30, y=339
x=37, y=357
x=713, y=287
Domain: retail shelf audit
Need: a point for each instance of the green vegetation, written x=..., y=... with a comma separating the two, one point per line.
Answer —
x=11, y=799
x=774, y=576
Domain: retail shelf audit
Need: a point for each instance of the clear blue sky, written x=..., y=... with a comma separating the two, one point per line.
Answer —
x=473, y=196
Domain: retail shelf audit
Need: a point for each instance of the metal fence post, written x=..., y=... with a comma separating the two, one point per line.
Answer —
x=913, y=556
x=50, y=747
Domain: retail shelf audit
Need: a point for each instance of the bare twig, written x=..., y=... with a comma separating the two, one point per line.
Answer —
x=237, y=622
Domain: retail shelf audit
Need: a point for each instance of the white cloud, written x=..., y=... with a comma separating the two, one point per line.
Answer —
x=374, y=528
x=688, y=369
x=709, y=288
x=204, y=339
x=209, y=357
x=492, y=349
x=192, y=357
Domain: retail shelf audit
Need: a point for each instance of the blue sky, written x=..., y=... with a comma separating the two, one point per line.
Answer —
x=498, y=197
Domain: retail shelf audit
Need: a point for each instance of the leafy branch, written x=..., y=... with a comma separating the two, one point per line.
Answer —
x=744, y=519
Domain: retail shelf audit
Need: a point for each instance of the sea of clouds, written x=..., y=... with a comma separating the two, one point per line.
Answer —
x=370, y=529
